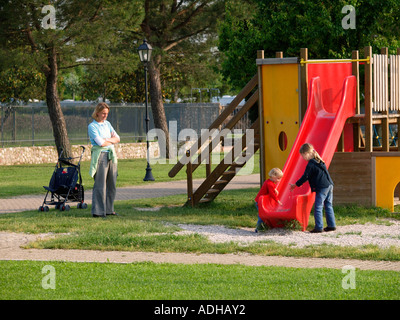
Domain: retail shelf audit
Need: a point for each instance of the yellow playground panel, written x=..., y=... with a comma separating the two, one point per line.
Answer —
x=280, y=101
x=386, y=179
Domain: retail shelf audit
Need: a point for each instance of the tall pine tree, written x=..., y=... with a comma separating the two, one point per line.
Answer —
x=167, y=25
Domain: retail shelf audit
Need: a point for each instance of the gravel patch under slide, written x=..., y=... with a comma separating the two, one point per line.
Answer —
x=382, y=235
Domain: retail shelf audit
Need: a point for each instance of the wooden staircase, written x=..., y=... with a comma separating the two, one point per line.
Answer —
x=241, y=152
x=226, y=170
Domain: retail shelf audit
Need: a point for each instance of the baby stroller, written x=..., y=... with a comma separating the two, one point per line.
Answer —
x=64, y=186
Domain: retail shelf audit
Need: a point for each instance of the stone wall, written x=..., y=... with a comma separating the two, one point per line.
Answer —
x=37, y=155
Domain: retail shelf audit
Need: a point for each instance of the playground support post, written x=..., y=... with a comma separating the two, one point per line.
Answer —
x=385, y=120
x=398, y=119
x=303, y=82
x=260, y=55
x=356, y=126
x=189, y=179
x=368, y=101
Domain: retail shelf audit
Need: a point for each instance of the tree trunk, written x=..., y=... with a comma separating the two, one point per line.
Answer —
x=157, y=107
x=53, y=105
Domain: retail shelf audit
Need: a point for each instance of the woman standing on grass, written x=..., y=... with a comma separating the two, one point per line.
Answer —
x=103, y=166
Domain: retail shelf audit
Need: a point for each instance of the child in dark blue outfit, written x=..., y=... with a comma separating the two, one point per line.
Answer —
x=321, y=183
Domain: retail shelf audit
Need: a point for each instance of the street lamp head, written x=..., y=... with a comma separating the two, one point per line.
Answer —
x=144, y=51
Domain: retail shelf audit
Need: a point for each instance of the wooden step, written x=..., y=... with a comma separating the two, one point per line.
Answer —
x=238, y=165
x=210, y=191
x=221, y=182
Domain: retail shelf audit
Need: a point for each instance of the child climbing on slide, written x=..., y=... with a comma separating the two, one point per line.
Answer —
x=269, y=188
x=321, y=183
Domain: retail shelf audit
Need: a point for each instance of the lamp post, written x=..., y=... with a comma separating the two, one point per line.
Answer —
x=144, y=51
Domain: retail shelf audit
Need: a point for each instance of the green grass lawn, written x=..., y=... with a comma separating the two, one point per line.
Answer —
x=30, y=179
x=24, y=280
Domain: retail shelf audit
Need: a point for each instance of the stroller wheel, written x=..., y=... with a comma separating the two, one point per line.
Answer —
x=82, y=205
x=46, y=208
x=41, y=208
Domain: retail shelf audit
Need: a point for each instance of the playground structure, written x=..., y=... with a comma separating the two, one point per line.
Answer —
x=326, y=103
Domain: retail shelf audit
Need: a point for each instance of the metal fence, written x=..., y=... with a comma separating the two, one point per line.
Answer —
x=30, y=125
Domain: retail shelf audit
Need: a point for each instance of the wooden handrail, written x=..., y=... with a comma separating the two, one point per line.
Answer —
x=253, y=99
x=223, y=165
x=217, y=122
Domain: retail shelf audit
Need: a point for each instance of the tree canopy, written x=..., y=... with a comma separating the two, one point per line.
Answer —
x=289, y=25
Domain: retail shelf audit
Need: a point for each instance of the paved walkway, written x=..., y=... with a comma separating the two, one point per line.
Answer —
x=11, y=250
x=149, y=190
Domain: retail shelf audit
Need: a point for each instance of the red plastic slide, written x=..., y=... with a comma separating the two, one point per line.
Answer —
x=323, y=130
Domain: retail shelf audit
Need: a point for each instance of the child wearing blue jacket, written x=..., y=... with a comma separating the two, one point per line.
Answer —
x=321, y=183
